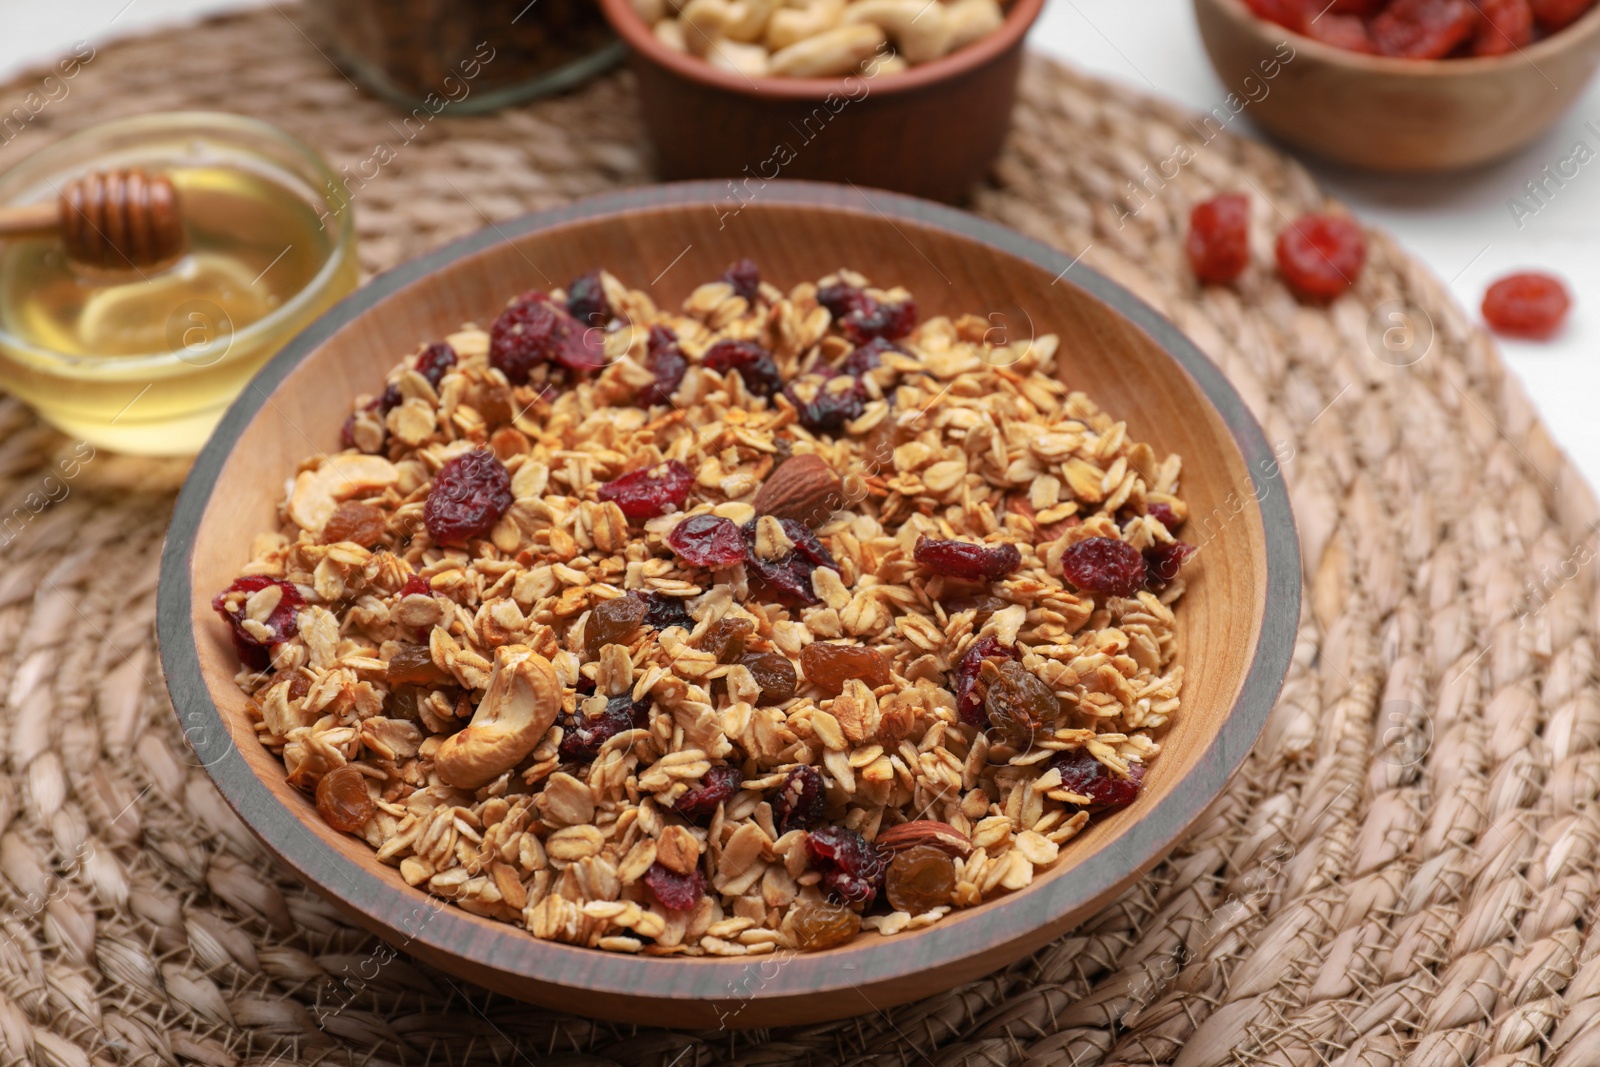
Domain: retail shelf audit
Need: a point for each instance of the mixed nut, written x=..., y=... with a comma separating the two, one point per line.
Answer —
x=718, y=631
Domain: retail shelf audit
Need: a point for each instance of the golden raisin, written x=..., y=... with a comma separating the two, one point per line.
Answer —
x=1017, y=701
x=920, y=879
x=612, y=621
x=725, y=638
x=829, y=666
x=343, y=800
x=413, y=665
x=820, y=923
x=355, y=521
x=773, y=673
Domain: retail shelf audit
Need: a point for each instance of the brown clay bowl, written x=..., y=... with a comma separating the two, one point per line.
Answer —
x=1389, y=114
x=1236, y=627
x=931, y=131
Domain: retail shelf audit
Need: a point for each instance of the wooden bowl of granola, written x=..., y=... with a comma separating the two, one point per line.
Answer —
x=699, y=964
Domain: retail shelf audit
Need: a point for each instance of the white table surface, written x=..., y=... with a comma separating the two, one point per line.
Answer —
x=1460, y=225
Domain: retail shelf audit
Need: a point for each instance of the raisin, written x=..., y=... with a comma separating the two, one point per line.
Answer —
x=1104, y=565
x=611, y=622
x=435, y=361
x=1526, y=305
x=1506, y=26
x=967, y=561
x=707, y=541
x=676, y=892
x=279, y=625
x=867, y=357
x=1423, y=29
x=401, y=702
x=788, y=577
x=1018, y=702
x=752, y=362
x=1162, y=561
x=773, y=673
x=983, y=606
x=717, y=787
x=822, y=924
x=852, y=867
x=970, y=686
x=1287, y=13
x=1554, y=15
x=416, y=585
x=1320, y=256
x=664, y=359
x=1164, y=514
x=799, y=803
x=413, y=665
x=358, y=523
x=469, y=495
x=533, y=331
x=662, y=611
x=583, y=737
x=1219, y=238
x=645, y=494
x=1341, y=31
x=1086, y=776
x=343, y=800
x=837, y=401
x=828, y=667
x=745, y=277
x=586, y=300
x=919, y=879
x=724, y=638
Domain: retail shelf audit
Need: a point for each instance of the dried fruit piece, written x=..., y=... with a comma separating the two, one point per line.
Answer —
x=725, y=638
x=586, y=300
x=1104, y=565
x=967, y=561
x=582, y=737
x=533, y=331
x=1162, y=561
x=773, y=673
x=852, y=868
x=416, y=585
x=434, y=363
x=1423, y=29
x=828, y=667
x=1086, y=776
x=1341, y=31
x=1506, y=26
x=1528, y=305
x=1218, y=244
x=803, y=488
x=837, y=400
x=752, y=363
x=920, y=879
x=676, y=892
x=343, y=800
x=1016, y=701
x=470, y=494
x=970, y=687
x=707, y=541
x=356, y=522
x=1164, y=514
x=798, y=804
x=665, y=360
x=413, y=665
x=662, y=611
x=612, y=622
x=717, y=787
x=862, y=318
x=788, y=577
x=644, y=494
x=867, y=357
x=1320, y=256
x=253, y=638
x=745, y=277
x=820, y=923
x=1554, y=15
x=1290, y=14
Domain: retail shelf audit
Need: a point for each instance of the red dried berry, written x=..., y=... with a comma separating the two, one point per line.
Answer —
x=533, y=331
x=1104, y=565
x=1528, y=305
x=1219, y=238
x=864, y=358
x=717, y=787
x=832, y=406
x=280, y=623
x=1423, y=29
x=662, y=611
x=676, y=892
x=1164, y=514
x=1086, y=776
x=1506, y=26
x=841, y=299
x=886, y=320
x=664, y=359
x=1361, y=8
x=798, y=804
x=1320, y=256
x=586, y=300
x=416, y=585
x=469, y=495
x=1554, y=15
x=745, y=277
x=970, y=688
x=788, y=577
x=435, y=362
x=1162, y=561
x=752, y=363
x=707, y=541
x=967, y=561
x=645, y=494
x=583, y=737
x=1341, y=31
x=852, y=867
x=1287, y=13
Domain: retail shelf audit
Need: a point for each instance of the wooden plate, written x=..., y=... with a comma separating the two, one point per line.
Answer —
x=1236, y=625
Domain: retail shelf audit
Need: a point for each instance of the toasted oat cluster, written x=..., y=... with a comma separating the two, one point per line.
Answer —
x=725, y=630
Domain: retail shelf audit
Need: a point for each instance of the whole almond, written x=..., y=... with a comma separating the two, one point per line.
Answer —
x=803, y=488
x=940, y=835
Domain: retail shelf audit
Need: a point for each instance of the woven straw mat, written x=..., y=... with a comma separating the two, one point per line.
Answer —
x=1403, y=873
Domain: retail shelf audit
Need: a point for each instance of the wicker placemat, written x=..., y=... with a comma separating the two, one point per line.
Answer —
x=1404, y=872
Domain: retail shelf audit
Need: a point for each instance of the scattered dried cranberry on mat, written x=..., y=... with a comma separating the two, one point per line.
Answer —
x=1529, y=304
x=469, y=495
x=1086, y=776
x=967, y=561
x=644, y=494
x=852, y=868
x=1320, y=256
x=533, y=331
x=1104, y=565
x=707, y=541
x=717, y=787
x=253, y=639
x=1219, y=238
x=676, y=892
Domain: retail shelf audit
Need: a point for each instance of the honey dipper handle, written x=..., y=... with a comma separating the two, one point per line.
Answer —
x=29, y=219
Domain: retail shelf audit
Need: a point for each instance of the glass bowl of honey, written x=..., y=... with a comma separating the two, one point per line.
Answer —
x=146, y=361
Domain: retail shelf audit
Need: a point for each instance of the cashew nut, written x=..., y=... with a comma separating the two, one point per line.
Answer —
x=877, y=69
x=972, y=19
x=702, y=22
x=317, y=493
x=920, y=29
x=828, y=55
x=797, y=22
x=749, y=19
x=670, y=33
x=748, y=59
x=519, y=706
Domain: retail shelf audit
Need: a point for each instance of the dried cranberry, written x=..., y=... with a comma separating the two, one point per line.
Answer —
x=387, y=400
x=645, y=494
x=970, y=688
x=852, y=867
x=664, y=359
x=752, y=362
x=1341, y=31
x=469, y=495
x=864, y=358
x=717, y=787
x=707, y=541
x=1423, y=29
x=788, y=577
x=1553, y=15
x=1287, y=13
x=1506, y=26
x=798, y=805
x=745, y=277
x=586, y=300
x=676, y=892
x=1104, y=565
x=435, y=361
x=280, y=623
x=1526, y=305
x=967, y=561
x=534, y=331
x=1086, y=776
x=841, y=299
x=1320, y=256
x=662, y=611
x=1162, y=561
x=583, y=737
x=1164, y=514
x=832, y=407
x=1219, y=238
x=416, y=585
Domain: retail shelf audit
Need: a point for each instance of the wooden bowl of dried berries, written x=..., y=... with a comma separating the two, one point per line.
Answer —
x=769, y=624
x=1401, y=85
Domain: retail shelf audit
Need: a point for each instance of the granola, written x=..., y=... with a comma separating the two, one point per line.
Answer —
x=719, y=631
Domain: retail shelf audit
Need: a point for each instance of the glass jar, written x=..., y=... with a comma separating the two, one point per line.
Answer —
x=469, y=56
x=146, y=362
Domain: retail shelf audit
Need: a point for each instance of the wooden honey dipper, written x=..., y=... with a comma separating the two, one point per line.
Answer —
x=111, y=219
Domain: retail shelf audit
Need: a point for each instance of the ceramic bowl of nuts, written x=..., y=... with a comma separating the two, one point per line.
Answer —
x=898, y=94
x=758, y=626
